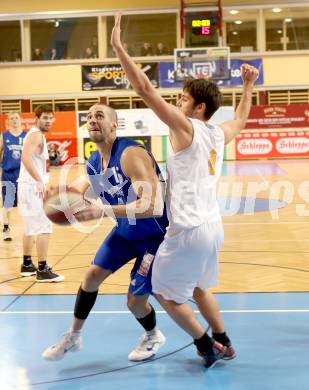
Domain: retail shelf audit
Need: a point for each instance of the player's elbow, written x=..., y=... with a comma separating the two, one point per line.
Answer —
x=142, y=88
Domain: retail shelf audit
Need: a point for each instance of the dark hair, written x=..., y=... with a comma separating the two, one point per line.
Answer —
x=43, y=108
x=204, y=91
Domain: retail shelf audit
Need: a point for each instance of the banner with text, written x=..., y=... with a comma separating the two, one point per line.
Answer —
x=131, y=123
x=61, y=137
x=272, y=144
x=167, y=73
x=278, y=116
x=144, y=122
x=112, y=76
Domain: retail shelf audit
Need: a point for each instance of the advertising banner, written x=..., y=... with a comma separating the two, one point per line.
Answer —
x=272, y=144
x=276, y=116
x=144, y=122
x=167, y=73
x=131, y=123
x=112, y=76
x=61, y=137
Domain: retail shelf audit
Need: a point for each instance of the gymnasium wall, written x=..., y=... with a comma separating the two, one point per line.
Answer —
x=28, y=80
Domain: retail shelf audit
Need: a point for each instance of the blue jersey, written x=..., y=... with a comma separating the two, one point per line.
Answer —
x=12, y=149
x=115, y=188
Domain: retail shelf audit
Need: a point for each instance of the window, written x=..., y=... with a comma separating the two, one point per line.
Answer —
x=241, y=37
x=297, y=32
x=202, y=29
x=141, y=34
x=287, y=29
x=241, y=30
x=10, y=41
x=57, y=39
x=274, y=35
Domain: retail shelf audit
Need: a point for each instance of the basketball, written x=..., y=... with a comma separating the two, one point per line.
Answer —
x=61, y=206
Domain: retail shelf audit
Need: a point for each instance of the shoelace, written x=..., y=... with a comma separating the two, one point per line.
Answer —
x=146, y=340
x=66, y=338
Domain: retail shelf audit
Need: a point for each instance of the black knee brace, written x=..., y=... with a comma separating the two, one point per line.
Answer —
x=84, y=303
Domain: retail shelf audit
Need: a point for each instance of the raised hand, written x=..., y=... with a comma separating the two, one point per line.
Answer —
x=249, y=74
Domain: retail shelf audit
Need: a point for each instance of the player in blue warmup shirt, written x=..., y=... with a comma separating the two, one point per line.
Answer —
x=11, y=143
x=129, y=183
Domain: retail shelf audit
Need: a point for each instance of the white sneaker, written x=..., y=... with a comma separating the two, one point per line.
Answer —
x=70, y=342
x=148, y=346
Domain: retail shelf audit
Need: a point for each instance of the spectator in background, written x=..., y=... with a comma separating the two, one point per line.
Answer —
x=18, y=57
x=94, y=46
x=53, y=54
x=88, y=53
x=146, y=50
x=161, y=50
x=128, y=49
x=37, y=55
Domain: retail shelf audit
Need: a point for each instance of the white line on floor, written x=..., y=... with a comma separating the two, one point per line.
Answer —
x=160, y=311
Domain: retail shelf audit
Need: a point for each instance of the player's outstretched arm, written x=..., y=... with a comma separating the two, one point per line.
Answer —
x=233, y=127
x=169, y=114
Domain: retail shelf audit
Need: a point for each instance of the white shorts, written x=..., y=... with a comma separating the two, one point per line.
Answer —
x=30, y=207
x=187, y=260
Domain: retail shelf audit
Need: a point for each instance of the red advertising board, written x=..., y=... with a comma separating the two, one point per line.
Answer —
x=272, y=144
x=276, y=116
x=61, y=138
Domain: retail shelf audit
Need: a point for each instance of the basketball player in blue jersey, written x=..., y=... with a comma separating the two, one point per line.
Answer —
x=128, y=181
x=11, y=143
x=186, y=263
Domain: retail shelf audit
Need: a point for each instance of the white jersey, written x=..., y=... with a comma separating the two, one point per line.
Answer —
x=39, y=162
x=193, y=174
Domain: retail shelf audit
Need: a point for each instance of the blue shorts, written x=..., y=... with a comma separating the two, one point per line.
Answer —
x=117, y=251
x=9, y=188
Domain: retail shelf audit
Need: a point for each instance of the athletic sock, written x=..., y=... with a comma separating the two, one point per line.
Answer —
x=75, y=332
x=84, y=303
x=42, y=265
x=222, y=338
x=27, y=260
x=204, y=344
x=149, y=322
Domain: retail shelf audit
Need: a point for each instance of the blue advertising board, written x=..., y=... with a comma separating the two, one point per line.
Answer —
x=167, y=73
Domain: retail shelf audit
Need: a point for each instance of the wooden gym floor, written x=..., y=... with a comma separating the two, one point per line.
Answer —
x=264, y=251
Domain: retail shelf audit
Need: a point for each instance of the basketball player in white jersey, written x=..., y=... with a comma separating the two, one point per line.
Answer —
x=32, y=185
x=186, y=263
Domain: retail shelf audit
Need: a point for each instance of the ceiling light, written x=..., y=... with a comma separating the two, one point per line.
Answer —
x=235, y=33
x=276, y=10
x=238, y=22
x=279, y=31
x=288, y=20
x=234, y=12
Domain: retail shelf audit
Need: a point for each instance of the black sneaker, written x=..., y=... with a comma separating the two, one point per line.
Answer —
x=218, y=351
x=48, y=276
x=28, y=270
x=7, y=235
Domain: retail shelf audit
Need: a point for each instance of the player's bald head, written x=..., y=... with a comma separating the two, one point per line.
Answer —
x=106, y=109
